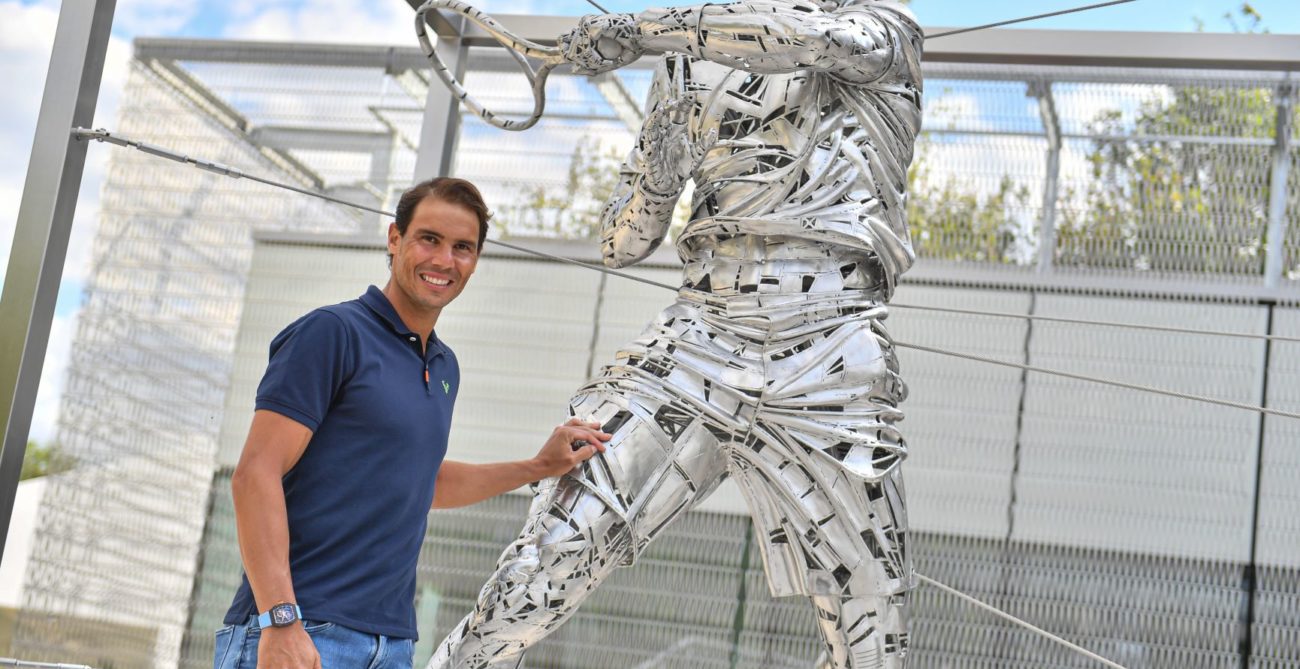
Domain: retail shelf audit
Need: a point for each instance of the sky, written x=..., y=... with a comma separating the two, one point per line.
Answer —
x=27, y=32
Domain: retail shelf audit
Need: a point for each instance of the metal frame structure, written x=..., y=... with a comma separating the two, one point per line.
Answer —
x=31, y=282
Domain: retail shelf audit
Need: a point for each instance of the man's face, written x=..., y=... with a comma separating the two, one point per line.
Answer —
x=433, y=261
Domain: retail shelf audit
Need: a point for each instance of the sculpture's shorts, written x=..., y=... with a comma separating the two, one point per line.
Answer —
x=795, y=396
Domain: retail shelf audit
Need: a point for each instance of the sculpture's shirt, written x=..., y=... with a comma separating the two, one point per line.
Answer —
x=812, y=125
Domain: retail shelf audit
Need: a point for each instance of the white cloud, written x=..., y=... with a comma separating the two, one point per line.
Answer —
x=26, y=38
x=153, y=17
x=953, y=111
x=347, y=21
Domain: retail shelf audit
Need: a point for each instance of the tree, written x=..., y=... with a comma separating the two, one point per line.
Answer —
x=39, y=460
x=1173, y=192
x=1165, y=195
x=573, y=211
x=950, y=221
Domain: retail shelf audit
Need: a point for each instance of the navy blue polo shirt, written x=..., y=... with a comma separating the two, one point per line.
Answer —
x=358, y=499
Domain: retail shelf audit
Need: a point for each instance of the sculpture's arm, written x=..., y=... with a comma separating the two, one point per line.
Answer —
x=639, y=211
x=635, y=218
x=857, y=44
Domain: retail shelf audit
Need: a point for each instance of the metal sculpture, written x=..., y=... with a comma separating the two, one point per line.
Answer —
x=796, y=121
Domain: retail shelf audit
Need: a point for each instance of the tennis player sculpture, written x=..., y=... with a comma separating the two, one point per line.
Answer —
x=796, y=121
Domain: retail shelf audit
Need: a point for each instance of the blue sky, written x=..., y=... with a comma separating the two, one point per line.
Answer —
x=27, y=30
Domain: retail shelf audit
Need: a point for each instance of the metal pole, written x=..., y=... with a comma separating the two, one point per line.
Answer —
x=1273, y=259
x=1051, y=181
x=441, y=126
x=31, y=283
x=1250, y=571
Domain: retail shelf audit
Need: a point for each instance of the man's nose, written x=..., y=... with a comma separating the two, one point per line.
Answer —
x=442, y=255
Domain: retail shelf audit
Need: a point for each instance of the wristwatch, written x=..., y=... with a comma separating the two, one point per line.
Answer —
x=280, y=615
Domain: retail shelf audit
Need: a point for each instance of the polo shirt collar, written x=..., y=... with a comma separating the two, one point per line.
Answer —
x=377, y=301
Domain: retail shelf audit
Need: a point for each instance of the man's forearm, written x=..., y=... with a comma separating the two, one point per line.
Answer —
x=463, y=483
x=263, y=525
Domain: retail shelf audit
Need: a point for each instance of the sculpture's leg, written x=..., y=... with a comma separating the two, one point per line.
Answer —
x=662, y=460
x=869, y=630
x=863, y=632
x=569, y=544
x=840, y=540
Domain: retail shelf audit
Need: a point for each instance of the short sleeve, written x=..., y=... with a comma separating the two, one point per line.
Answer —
x=308, y=366
x=455, y=376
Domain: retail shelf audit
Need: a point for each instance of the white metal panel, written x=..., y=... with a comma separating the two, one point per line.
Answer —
x=1110, y=468
x=285, y=282
x=1279, y=504
x=961, y=415
x=521, y=331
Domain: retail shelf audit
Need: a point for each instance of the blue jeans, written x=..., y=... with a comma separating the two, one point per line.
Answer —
x=339, y=647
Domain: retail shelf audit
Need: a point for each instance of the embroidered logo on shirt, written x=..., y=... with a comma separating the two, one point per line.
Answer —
x=446, y=387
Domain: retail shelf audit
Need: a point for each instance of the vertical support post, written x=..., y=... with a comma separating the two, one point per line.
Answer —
x=1250, y=571
x=1273, y=259
x=1004, y=653
x=440, y=128
x=1052, y=128
x=40, y=247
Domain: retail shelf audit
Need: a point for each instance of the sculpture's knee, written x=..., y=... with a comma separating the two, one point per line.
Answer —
x=522, y=582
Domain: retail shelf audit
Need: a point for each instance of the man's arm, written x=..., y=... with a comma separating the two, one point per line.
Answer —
x=462, y=483
x=856, y=44
x=275, y=443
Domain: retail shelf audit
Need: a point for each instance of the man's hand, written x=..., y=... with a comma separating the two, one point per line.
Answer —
x=569, y=445
x=602, y=43
x=287, y=648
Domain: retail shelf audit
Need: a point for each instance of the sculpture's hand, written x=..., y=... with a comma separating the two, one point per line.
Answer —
x=670, y=154
x=602, y=43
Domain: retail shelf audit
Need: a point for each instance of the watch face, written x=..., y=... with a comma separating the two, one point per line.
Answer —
x=283, y=615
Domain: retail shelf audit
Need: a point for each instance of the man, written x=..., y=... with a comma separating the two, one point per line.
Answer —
x=345, y=456
x=796, y=121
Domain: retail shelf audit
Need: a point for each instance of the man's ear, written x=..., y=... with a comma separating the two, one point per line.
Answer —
x=393, y=237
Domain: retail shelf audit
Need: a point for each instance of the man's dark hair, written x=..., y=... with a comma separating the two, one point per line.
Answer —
x=447, y=189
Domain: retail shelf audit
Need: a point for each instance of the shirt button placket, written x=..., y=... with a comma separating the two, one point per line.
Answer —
x=427, y=391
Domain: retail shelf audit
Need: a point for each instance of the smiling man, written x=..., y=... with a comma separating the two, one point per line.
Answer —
x=344, y=457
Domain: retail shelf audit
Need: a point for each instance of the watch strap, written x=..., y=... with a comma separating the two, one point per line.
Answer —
x=264, y=620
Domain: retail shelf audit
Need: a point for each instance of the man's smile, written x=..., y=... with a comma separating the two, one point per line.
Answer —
x=434, y=280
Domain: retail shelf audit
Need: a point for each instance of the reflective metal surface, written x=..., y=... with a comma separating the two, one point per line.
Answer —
x=796, y=122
